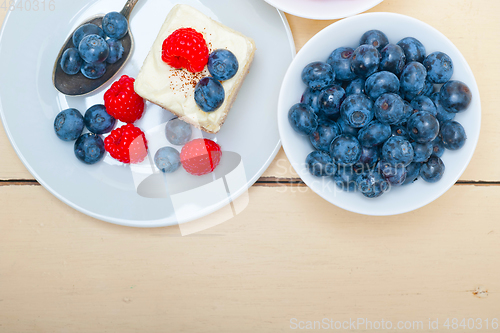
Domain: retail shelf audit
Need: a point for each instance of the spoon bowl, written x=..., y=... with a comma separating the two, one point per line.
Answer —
x=79, y=85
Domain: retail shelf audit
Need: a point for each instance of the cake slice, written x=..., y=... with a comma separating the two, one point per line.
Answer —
x=173, y=89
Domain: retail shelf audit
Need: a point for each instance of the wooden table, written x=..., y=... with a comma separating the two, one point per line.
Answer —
x=289, y=254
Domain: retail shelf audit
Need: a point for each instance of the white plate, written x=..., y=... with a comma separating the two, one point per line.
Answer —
x=347, y=33
x=109, y=190
x=324, y=9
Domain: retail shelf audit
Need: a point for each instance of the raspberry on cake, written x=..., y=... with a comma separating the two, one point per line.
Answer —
x=173, y=88
x=185, y=48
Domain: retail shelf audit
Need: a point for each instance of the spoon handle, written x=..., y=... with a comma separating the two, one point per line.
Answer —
x=127, y=9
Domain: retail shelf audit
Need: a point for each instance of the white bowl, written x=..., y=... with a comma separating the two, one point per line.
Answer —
x=347, y=33
x=324, y=9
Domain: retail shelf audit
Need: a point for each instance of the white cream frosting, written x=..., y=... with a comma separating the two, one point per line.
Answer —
x=173, y=89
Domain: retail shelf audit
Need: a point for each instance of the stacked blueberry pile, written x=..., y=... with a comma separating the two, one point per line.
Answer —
x=89, y=147
x=209, y=93
x=380, y=115
x=95, y=47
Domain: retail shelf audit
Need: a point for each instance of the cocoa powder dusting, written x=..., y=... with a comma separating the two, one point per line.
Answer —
x=183, y=81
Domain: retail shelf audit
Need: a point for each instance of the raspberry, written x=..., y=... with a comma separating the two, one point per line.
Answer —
x=122, y=102
x=185, y=48
x=200, y=156
x=127, y=144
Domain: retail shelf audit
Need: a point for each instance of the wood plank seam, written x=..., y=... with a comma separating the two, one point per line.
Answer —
x=19, y=182
x=262, y=182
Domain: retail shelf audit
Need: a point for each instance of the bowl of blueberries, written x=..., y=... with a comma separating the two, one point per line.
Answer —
x=379, y=114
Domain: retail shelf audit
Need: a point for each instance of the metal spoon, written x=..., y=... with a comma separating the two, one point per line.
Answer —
x=77, y=85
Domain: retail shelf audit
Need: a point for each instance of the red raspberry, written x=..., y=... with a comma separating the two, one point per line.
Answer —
x=185, y=48
x=127, y=144
x=200, y=156
x=122, y=102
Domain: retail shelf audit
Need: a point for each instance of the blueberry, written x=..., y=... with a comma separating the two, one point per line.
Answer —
x=98, y=121
x=209, y=94
x=222, y=64
x=412, y=80
x=437, y=147
x=406, y=96
x=167, y=159
x=423, y=127
x=380, y=83
x=178, y=132
x=400, y=130
x=407, y=110
x=93, y=48
x=397, y=150
x=428, y=89
x=394, y=174
x=414, y=50
x=442, y=115
x=357, y=110
x=422, y=151
x=89, y=148
x=345, y=128
x=71, y=62
x=115, y=25
x=375, y=38
x=356, y=86
x=85, y=30
x=372, y=184
x=94, y=71
x=302, y=118
x=389, y=109
x=393, y=59
x=115, y=50
x=345, y=149
x=345, y=178
x=69, y=124
x=423, y=103
x=453, y=135
x=324, y=134
x=439, y=67
x=340, y=60
x=310, y=97
x=318, y=75
x=365, y=60
x=375, y=133
x=455, y=96
x=320, y=164
x=432, y=170
x=329, y=101
x=369, y=157
x=412, y=172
